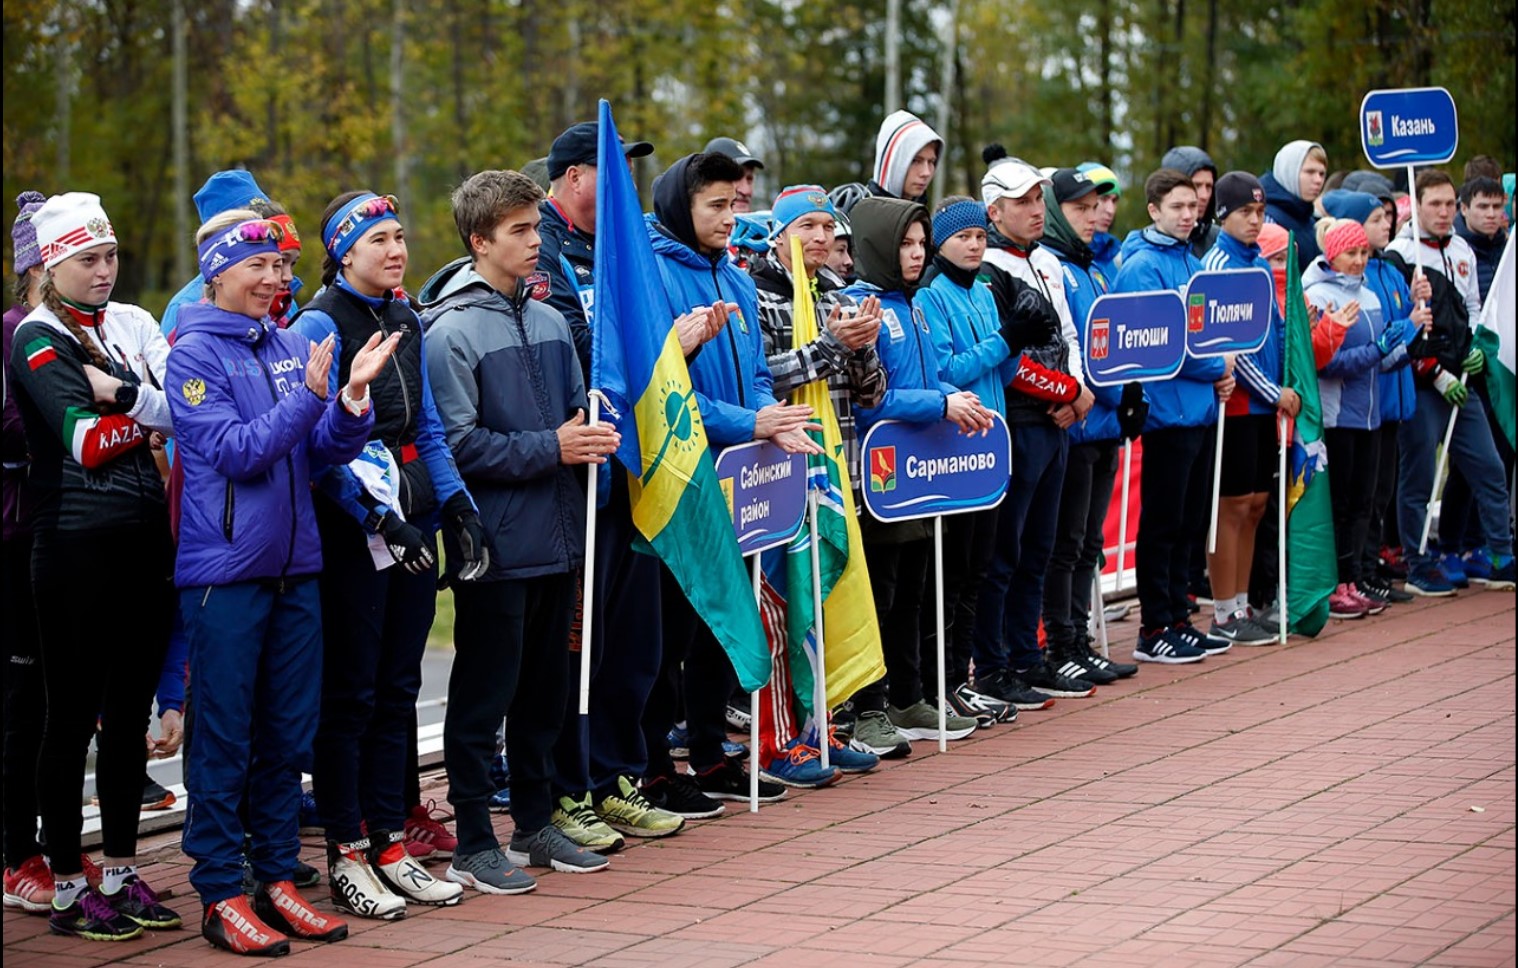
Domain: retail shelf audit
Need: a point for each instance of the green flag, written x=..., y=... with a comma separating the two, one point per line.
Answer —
x=1312, y=567
x=1494, y=335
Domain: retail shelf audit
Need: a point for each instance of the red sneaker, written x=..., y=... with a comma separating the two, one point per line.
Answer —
x=233, y=926
x=425, y=834
x=281, y=906
x=92, y=873
x=30, y=886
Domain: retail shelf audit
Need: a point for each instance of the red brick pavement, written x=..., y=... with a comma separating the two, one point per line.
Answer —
x=1341, y=802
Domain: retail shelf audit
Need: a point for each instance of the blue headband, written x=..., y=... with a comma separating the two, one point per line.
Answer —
x=349, y=223
x=238, y=243
x=956, y=218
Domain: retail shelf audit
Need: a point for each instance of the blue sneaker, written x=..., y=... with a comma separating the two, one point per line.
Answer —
x=848, y=758
x=1167, y=647
x=310, y=820
x=1477, y=565
x=798, y=765
x=1454, y=570
x=1502, y=578
x=1428, y=579
x=500, y=777
x=679, y=746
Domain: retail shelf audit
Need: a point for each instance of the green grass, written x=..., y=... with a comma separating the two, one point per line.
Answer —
x=441, y=636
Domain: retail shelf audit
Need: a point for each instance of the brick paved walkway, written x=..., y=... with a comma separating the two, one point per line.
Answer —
x=1347, y=801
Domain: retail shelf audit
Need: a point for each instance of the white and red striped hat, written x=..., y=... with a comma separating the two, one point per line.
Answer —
x=68, y=224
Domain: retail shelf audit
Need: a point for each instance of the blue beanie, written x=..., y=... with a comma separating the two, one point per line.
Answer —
x=1354, y=205
x=225, y=191
x=950, y=220
x=795, y=201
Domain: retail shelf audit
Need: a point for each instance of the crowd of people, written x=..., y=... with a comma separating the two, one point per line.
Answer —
x=259, y=487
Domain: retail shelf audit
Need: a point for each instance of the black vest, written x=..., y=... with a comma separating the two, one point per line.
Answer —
x=396, y=392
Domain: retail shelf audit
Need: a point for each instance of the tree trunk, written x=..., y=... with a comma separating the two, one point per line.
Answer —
x=1104, y=76
x=1211, y=74
x=181, y=140
x=893, y=56
x=398, y=94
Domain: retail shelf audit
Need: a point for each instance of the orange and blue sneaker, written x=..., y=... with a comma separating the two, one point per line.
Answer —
x=799, y=765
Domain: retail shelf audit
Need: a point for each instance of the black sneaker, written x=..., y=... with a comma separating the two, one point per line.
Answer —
x=679, y=794
x=1384, y=590
x=1372, y=594
x=1064, y=659
x=1091, y=658
x=1193, y=637
x=1006, y=686
x=1240, y=630
x=729, y=781
x=1045, y=678
x=93, y=918
x=1166, y=647
x=137, y=902
x=968, y=702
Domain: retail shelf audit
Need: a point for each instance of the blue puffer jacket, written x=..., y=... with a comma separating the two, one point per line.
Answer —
x=1159, y=261
x=1399, y=396
x=966, y=336
x=1296, y=216
x=914, y=392
x=1108, y=253
x=1083, y=286
x=1347, y=384
x=730, y=375
x=1260, y=373
x=250, y=434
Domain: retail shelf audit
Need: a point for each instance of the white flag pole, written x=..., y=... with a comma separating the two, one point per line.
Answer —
x=588, y=592
x=753, y=709
x=820, y=696
x=943, y=692
x=1217, y=485
x=1098, y=613
x=1281, y=530
x=1122, y=512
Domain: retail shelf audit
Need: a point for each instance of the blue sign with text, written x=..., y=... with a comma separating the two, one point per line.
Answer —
x=1228, y=311
x=924, y=470
x=1409, y=126
x=1135, y=337
x=766, y=492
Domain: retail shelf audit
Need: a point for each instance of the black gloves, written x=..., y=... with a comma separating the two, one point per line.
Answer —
x=1029, y=320
x=463, y=524
x=1132, y=411
x=411, y=549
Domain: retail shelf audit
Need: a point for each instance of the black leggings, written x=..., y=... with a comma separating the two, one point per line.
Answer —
x=1352, y=465
x=25, y=704
x=105, y=604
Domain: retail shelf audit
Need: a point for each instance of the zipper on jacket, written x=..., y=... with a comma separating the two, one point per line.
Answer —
x=405, y=488
x=289, y=474
x=228, y=512
x=732, y=341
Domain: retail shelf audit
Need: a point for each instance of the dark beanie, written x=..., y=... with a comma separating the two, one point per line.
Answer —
x=1235, y=190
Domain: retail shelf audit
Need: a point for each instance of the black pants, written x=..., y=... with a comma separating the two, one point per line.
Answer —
x=375, y=626
x=1382, y=527
x=25, y=703
x=1173, y=519
x=1459, y=524
x=1090, y=472
x=692, y=667
x=509, y=640
x=105, y=603
x=898, y=579
x=1352, y=464
x=969, y=542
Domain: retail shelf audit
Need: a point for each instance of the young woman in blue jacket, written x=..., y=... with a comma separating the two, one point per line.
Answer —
x=254, y=413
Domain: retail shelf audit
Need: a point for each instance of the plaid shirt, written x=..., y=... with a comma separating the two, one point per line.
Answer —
x=855, y=379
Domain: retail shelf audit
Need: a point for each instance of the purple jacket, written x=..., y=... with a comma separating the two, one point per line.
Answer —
x=17, y=509
x=249, y=433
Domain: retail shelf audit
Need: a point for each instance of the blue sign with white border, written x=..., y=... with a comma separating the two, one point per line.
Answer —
x=1409, y=126
x=917, y=470
x=1135, y=337
x=1228, y=311
x=766, y=493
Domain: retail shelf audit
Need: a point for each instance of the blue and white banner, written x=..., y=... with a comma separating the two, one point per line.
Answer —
x=1135, y=337
x=766, y=492
x=1409, y=126
x=924, y=470
x=1228, y=311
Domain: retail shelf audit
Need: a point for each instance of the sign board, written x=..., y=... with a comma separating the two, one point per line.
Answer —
x=915, y=470
x=766, y=493
x=1409, y=126
x=1135, y=337
x=1228, y=311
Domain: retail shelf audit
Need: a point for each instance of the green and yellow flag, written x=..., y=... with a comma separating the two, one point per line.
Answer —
x=1312, y=568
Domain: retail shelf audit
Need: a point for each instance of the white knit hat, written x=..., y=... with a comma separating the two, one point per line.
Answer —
x=70, y=223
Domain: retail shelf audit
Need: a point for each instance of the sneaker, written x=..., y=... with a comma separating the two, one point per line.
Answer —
x=739, y=718
x=1390, y=564
x=1193, y=637
x=679, y=745
x=356, y=888
x=1010, y=689
x=843, y=721
x=1090, y=658
x=1167, y=648
x=304, y=875
x=489, y=872
x=678, y=794
x=1454, y=570
x=93, y=918
x=500, y=777
x=1192, y=605
x=1116, y=613
x=1239, y=630
x=1066, y=660
x=848, y=757
x=281, y=907
x=875, y=733
x=426, y=837
x=984, y=709
x=138, y=902
x=548, y=847
x=1429, y=580
x=628, y=811
x=405, y=877
x=577, y=821
x=1344, y=603
x=1477, y=565
x=920, y=721
x=1374, y=604
x=155, y=796
x=1503, y=578
x=29, y=887
x=729, y=781
x=799, y=765
x=1383, y=589
x=232, y=925
x=310, y=820
x=93, y=875
x=1044, y=678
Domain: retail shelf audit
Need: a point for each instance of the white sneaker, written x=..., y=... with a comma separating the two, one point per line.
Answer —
x=355, y=886
x=400, y=872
